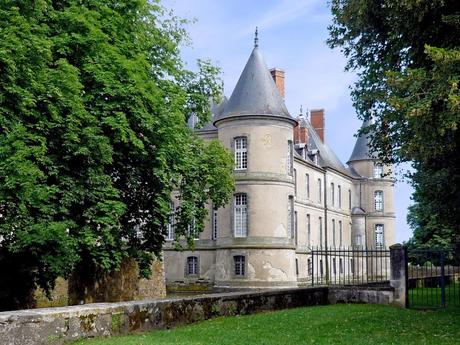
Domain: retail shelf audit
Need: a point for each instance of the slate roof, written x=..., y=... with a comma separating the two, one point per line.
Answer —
x=327, y=157
x=361, y=150
x=255, y=93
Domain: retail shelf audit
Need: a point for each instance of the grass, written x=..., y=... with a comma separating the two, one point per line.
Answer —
x=334, y=324
x=431, y=297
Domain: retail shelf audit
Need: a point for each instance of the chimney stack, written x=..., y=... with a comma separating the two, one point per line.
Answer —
x=300, y=132
x=278, y=77
x=317, y=121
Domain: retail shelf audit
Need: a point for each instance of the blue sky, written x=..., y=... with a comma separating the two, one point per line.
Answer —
x=292, y=35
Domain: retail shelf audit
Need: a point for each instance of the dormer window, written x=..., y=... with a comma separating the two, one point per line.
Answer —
x=241, y=153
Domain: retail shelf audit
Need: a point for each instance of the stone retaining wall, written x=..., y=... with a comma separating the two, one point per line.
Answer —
x=64, y=324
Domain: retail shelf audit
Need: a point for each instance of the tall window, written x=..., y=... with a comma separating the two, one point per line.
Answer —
x=333, y=232
x=192, y=231
x=320, y=231
x=378, y=170
x=295, y=227
x=379, y=240
x=289, y=158
x=214, y=224
x=240, y=261
x=192, y=265
x=241, y=215
x=241, y=153
x=334, y=265
x=290, y=215
x=309, y=267
x=295, y=182
x=340, y=234
x=332, y=194
x=308, y=230
x=349, y=199
x=359, y=240
x=378, y=200
x=319, y=190
x=339, y=195
x=307, y=185
x=170, y=235
x=296, y=266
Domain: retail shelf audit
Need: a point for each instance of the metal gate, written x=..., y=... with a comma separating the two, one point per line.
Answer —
x=433, y=279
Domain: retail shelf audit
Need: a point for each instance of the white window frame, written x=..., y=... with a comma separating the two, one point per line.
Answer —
x=290, y=158
x=378, y=200
x=379, y=231
x=240, y=212
x=378, y=170
x=241, y=153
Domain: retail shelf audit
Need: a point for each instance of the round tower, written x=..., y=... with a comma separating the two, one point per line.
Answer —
x=373, y=216
x=255, y=247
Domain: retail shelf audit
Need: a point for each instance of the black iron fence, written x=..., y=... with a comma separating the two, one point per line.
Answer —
x=349, y=266
x=433, y=279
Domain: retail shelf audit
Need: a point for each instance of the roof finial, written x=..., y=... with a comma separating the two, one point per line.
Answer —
x=256, y=38
x=301, y=110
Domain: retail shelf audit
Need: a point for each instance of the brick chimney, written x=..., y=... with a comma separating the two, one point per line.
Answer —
x=300, y=132
x=317, y=121
x=278, y=77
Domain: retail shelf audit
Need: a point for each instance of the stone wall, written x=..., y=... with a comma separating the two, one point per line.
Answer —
x=122, y=285
x=65, y=324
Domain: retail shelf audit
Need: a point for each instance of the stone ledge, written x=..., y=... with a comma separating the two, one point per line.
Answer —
x=64, y=324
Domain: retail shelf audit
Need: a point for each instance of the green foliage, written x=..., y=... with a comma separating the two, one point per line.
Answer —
x=94, y=100
x=407, y=54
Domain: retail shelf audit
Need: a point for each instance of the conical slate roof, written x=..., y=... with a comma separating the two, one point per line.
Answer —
x=361, y=150
x=255, y=93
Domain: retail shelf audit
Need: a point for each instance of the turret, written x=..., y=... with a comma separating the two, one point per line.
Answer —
x=373, y=214
x=256, y=245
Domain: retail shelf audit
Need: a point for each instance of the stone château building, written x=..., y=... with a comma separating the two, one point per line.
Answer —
x=292, y=194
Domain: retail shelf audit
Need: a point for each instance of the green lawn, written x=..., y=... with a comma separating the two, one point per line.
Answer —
x=334, y=324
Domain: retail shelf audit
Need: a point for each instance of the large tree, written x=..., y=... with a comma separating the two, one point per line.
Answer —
x=94, y=100
x=407, y=56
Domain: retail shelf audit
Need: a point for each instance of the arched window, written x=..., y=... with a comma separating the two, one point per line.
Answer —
x=378, y=200
x=241, y=153
x=240, y=215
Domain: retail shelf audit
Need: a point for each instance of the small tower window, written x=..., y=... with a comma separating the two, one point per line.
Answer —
x=240, y=262
x=241, y=215
x=192, y=265
x=290, y=158
x=290, y=215
x=378, y=200
x=378, y=170
x=241, y=153
x=379, y=239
